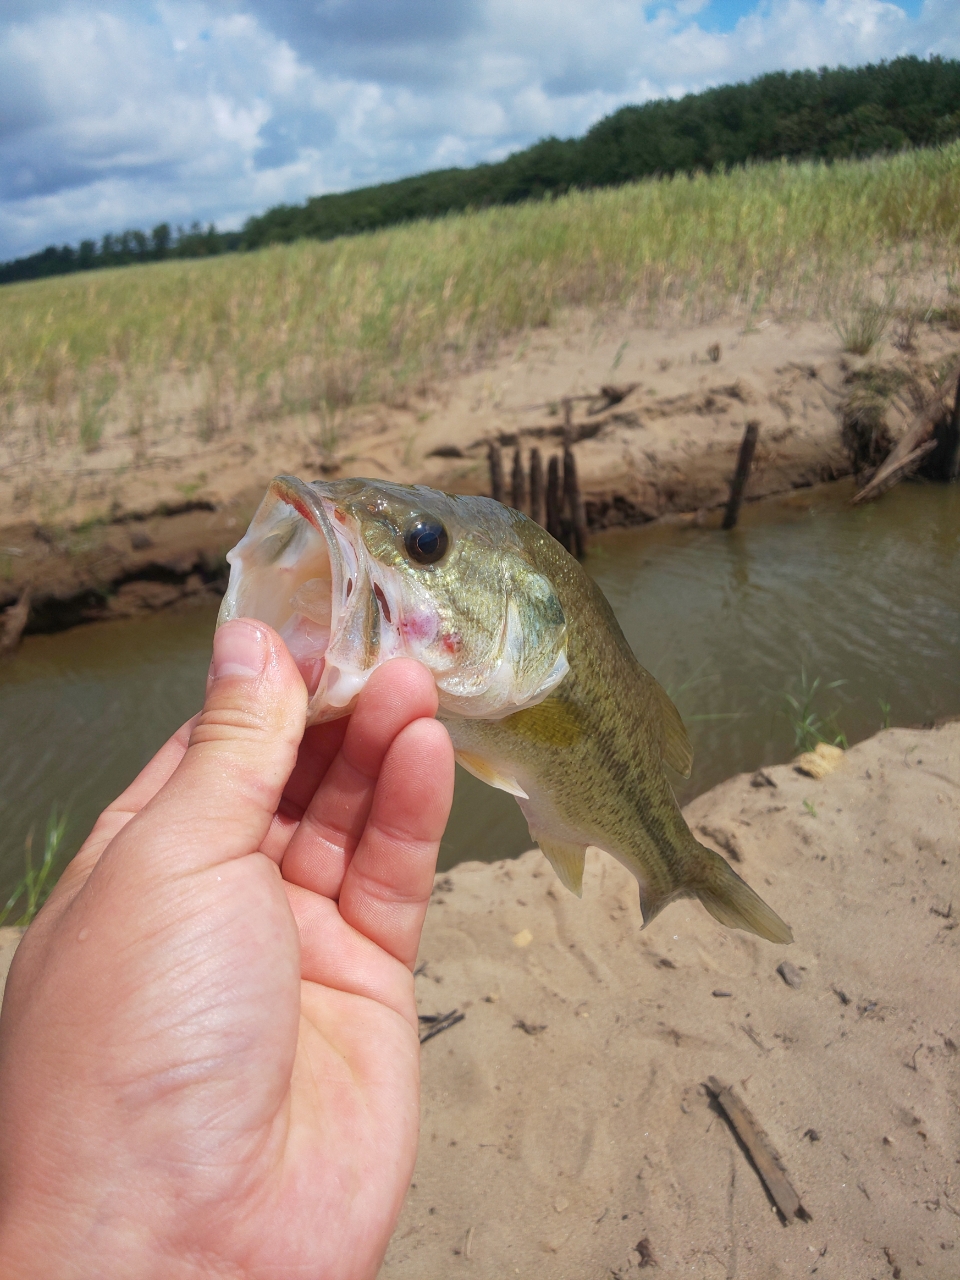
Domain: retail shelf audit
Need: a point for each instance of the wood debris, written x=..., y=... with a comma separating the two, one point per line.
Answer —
x=431, y=1024
x=765, y=1159
x=912, y=447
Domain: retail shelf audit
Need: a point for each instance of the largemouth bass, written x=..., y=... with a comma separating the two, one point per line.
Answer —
x=538, y=688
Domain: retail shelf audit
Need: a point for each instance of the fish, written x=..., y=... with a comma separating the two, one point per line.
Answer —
x=537, y=686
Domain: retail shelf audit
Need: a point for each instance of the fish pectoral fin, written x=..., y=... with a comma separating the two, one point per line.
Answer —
x=675, y=746
x=567, y=861
x=490, y=774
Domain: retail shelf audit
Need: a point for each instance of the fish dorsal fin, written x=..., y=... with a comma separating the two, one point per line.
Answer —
x=490, y=774
x=675, y=747
x=567, y=861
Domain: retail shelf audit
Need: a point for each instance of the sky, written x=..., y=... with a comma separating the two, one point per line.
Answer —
x=124, y=113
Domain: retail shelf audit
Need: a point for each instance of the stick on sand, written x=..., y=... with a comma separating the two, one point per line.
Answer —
x=766, y=1161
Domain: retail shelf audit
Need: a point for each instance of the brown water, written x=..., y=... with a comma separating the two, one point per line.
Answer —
x=729, y=622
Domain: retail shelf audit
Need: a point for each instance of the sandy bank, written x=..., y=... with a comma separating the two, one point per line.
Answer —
x=565, y=1119
x=142, y=523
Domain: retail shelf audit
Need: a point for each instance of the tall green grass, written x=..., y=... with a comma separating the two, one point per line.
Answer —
x=34, y=886
x=312, y=326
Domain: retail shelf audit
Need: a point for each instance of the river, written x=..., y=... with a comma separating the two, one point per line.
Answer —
x=864, y=600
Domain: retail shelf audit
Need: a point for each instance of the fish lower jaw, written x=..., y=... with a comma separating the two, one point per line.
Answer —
x=336, y=692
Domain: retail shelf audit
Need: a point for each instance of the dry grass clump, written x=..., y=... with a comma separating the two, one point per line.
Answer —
x=864, y=328
x=313, y=327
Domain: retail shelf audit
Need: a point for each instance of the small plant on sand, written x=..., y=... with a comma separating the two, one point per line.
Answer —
x=861, y=331
x=34, y=886
x=808, y=726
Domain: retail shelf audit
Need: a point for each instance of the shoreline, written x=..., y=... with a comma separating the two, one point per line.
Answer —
x=132, y=541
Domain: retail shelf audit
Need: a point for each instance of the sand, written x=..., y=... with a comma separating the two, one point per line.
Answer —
x=142, y=524
x=566, y=1119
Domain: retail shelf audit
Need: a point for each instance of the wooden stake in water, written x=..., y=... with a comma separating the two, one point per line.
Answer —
x=537, y=495
x=518, y=485
x=567, y=419
x=952, y=448
x=554, y=518
x=571, y=491
x=495, y=458
x=744, y=463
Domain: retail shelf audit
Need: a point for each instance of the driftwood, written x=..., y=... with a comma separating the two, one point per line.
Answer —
x=910, y=450
x=765, y=1159
x=748, y=446
x=12, y=622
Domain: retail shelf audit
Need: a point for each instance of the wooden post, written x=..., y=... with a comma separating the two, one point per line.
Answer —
x=554, y=521
x=518, y=484
x=495, y=458
x=951, y=468
x=537, y=495
x=567, y=420
x=12, y=622
x=744, y=462
x=571, y=491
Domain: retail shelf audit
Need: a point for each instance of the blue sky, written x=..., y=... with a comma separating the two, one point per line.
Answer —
x=125, y=113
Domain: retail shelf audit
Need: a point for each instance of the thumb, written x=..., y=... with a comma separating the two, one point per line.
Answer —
x=220, y=800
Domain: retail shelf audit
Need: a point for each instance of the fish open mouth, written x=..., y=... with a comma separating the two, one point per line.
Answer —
x=296, y=570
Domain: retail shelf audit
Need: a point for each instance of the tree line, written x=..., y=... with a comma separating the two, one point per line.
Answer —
x=123, y=250
x=826, y=114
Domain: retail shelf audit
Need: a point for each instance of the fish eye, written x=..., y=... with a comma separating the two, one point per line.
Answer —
x=425, y=539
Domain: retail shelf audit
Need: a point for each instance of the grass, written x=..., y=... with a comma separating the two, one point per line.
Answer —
x=34, y=886
x=808, y=725
x=314, y=327
x=864, y=328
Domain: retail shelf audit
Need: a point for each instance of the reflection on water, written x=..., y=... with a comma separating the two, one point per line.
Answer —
x=727, y=621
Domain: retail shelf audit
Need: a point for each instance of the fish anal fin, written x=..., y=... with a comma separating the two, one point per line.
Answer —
x=567, y=861
x=490, y=774
x=675, y=748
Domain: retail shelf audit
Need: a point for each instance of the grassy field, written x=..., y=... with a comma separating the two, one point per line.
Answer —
x=313, y=327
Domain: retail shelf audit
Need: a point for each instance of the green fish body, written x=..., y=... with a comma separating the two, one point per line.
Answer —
x=539, y=690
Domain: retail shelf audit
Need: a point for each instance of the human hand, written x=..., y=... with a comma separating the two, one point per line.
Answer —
x=187, y=1087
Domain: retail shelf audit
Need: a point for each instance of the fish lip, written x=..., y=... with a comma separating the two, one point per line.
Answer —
x=317, y=503
x=308, y=502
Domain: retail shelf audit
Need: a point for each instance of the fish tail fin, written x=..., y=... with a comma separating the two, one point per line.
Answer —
x=731, y=900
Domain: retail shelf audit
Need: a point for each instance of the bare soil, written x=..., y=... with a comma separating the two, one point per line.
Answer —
x=566, y=1119
x=141, y=525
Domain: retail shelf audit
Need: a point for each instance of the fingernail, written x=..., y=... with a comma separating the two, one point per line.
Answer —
x=239, y=649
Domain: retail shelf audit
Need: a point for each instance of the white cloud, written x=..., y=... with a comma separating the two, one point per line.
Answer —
x=126, y=115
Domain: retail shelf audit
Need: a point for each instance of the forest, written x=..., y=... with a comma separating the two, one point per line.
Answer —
x=827, y=114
